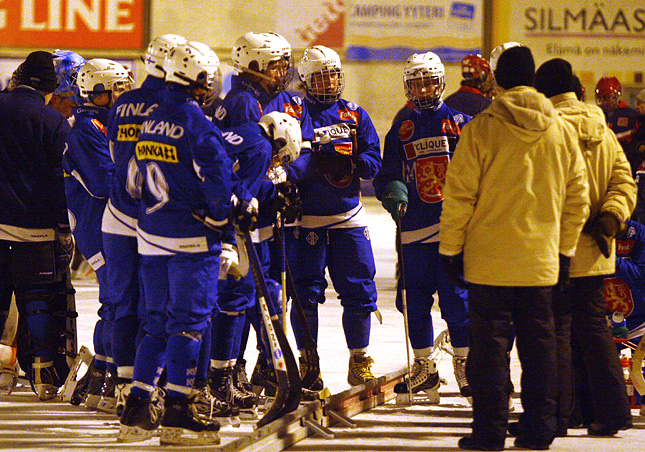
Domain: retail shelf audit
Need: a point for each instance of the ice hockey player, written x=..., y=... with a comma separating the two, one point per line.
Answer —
x=66, y=96
x=88, y=169
x=333, y=230
x=35, y=236
x=263, y=69
x=181, y=157
x=621, y=118
x=417, y=151
x=472, y=96
x=258, y=149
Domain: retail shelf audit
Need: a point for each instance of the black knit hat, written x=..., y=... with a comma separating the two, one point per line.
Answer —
x=38, y=72
x=554, y=77
x=515, y=67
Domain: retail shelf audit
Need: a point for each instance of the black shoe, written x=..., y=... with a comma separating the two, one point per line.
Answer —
x=598, y=429
x=470, y=443
x=181, y=425
x=525, y=443
x=139, y=420
x=240, y=379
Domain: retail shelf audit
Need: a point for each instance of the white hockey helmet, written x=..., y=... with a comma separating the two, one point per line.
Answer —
x=193, y=64
x=285, y=132
x=253, y=52
x=321, y=74
x=424, y=80
x=497, y=51
x=157, y=52
x=99, y=76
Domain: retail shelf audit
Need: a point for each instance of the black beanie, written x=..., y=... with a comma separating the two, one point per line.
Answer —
x=38, y=72
x=554, y=77
x=515, y=67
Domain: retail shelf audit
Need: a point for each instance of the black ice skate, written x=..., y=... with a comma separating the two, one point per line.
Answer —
x=240, y=379
x=107, y=403
x=459, y=364
x=94, y=386
x=121, y=393
x=139, y=420
x=222, y=387
x=208, y=406
x=181, y=426
x=424, y=379
x=74, y=391
x=264, y=378
x=318, y=384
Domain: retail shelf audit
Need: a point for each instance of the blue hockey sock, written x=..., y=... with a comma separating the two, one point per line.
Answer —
x=311, y=317
x=357, y=325
x=182, y=354
x=99, y=346
x=123, y=347
x=227, y=330
x=203, y=362
x=108, y=329
x=149, y=359
x=244, y=337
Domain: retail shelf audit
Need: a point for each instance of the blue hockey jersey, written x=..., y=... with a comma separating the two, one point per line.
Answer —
x=124, y=125
x=630, y=268
x=417, y=151
x=327, y=202
x=182, y=158
x=468, y=100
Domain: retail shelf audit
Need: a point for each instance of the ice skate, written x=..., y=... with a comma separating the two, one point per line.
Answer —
x=318, y=385
x=459, y=364
x=8, y=379
x=44, y=379
x=209, y=407
x=74, y=391
x=222, y=387
x=425, y=379
x=121, y=393
x=240, y=379
x=180, y=425
x=107, y=403
x=360, y=370
x=139, y=420
x=94, y=385
x=264, y=378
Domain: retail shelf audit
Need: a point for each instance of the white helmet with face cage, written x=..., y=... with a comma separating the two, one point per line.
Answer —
x=319, y=67
x=424, y=80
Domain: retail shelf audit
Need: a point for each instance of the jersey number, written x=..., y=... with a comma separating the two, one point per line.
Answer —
x=157, y=186
x=134, y=181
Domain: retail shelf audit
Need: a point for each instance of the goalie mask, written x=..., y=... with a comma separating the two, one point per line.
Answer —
x=100, y=76
x=608, y=92
x=321, y=74
x=284, y=131
x=423, y=80
x=67, y=64
x=194, y=65
x=157, y=52
x=266, y=56
x=476, y=72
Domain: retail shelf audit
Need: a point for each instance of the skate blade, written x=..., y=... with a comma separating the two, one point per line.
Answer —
x=249, y=415
x=92, y=401
x=107, y=405
x=133, y=434
x=175, y=436
x=233, y=421
x=426, y=397
x=46, y=392
x=84, y=356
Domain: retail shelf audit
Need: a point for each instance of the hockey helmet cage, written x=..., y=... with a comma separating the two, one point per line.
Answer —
x=157, y=52
x=497, y=51
x=100, y=75
x=424, y=80
x=321, y=73
x=285, y=132
x=67, y=64
x=193, y=64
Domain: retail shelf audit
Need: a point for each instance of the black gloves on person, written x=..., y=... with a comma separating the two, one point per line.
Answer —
x=287, y=202
x=454, y=268
x=337, y=165
x=563, y=274
x=603, y=229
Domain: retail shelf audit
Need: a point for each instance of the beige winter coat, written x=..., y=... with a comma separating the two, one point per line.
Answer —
x=611, y=186
x=516, y=193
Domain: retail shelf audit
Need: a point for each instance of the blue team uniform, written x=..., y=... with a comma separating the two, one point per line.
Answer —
x=120, y=218
x=468, y=100
x=417, y=151
x=181, y=157
x=624, y=122
x=88, y=171
x=630, y=268
x=333, y=231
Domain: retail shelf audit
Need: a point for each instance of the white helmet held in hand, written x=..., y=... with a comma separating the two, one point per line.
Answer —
x=497, y=51
x=193, y=64
x=99, y=76
x=285, y=132
x=321, y=74
x=423, y=80
x=157, y=52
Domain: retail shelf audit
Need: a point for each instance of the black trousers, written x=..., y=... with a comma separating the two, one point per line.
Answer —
x=599, y=364
x=492, y=310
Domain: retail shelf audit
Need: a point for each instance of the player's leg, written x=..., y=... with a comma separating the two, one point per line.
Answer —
x=8, y=325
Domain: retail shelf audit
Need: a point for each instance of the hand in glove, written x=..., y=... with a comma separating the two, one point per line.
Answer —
x=395, y=194
x=287, y=201
x=563, y=274
x=232, y=262
x=63, y=247
x=244, y=214
x=454, y=268
x=604, y=228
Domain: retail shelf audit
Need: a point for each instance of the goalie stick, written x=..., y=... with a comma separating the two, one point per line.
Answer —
x=289, y=391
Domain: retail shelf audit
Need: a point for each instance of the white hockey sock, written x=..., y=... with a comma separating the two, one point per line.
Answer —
x=460, y=352
x=358, y=352
x=422, y=352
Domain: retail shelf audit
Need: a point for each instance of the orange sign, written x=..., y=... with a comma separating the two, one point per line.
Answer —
x=76, y=24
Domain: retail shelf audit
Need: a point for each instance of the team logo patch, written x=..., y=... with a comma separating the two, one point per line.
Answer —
x=449, y=126
x=312, y=238
x=128, y=132
x=293, y=110
x=347, y=115
x=425, y=146
x=366, y=233
x=406, y=130
x=99, y=126
x=618, y=296
x=431, y=177
x=624, y=246
x=622, y=121
x=152, y=150
x=339, y=183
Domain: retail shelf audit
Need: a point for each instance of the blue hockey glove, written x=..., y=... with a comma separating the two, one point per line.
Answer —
x=395, y=194
x=453, y=266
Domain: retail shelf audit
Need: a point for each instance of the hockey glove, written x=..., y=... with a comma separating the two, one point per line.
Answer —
x=244, y=214
x=563, y=274
x=395, y=194
x=63, y=247
x=287, y=202
x=232, y=262
x=603, y=230
x=453, y=266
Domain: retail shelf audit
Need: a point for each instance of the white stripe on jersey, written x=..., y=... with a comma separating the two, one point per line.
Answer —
x=425, y=235
x=155, y=245
x=118, y=223
x=354, y=218
x=17, y=234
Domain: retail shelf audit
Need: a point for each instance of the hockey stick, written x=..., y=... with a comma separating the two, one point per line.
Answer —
x=404, y=299
x=311, y=349
x=288, y=393
x=283, y=271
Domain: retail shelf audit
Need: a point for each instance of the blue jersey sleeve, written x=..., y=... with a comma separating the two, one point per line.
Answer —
x=369, y=145
x=631, y=268
x=89, y=159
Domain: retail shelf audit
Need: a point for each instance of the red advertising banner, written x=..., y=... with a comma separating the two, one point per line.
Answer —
x=79, y=24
